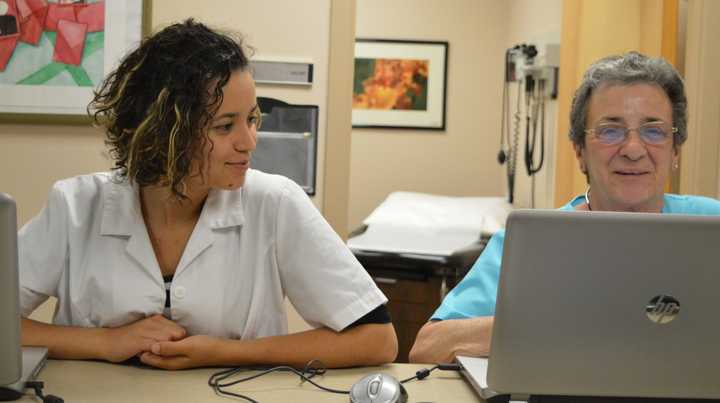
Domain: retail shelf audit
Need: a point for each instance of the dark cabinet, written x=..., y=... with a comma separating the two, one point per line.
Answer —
x=411, y=302
x=415, y=285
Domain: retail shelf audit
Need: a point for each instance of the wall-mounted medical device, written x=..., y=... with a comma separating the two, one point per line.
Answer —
x=287, y=141
x=536, y=75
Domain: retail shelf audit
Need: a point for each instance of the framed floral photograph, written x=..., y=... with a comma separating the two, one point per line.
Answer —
x=54, y=53
x=399, y=84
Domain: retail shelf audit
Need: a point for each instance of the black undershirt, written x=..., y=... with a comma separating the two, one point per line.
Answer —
x=379, y=315
x=168, y=282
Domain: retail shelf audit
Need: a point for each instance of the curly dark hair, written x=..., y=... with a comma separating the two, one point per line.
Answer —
x=156, y=106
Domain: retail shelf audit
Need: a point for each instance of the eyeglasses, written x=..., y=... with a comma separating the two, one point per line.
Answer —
x=653, y=133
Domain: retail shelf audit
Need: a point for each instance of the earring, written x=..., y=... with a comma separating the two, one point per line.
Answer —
x=676, y=165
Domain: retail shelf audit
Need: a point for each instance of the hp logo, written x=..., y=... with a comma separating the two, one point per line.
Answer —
x=662, y=309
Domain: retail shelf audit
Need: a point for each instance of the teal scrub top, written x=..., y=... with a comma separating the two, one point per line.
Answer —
x=475, y=295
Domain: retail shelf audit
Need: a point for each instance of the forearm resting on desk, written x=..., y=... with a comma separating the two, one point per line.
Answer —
x=370, y=344
x=64, y=341
x=440, y=341
x=111, y=344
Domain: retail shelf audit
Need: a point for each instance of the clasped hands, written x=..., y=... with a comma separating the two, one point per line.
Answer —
x=161, y=343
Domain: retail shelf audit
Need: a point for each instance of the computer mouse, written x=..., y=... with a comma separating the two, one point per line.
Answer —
x=378, y=388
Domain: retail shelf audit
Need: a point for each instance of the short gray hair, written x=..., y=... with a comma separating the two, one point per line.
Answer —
x=627, y=69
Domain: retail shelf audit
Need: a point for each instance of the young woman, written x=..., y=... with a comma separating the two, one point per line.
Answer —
x=182, y=255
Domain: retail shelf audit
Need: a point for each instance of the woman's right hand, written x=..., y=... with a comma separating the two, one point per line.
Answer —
x=124, y=342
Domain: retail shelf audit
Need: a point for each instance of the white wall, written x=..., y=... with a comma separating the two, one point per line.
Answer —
x=461, y=160
x=283, y=29
x=537, y=23
x=35, y=156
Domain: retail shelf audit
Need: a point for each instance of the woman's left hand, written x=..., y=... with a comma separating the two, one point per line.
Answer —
x=190, y=352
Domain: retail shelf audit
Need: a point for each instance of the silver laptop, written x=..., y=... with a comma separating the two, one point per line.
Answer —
x=474, y=369
x=17, y=365
x=33, y=361
x=608, y=304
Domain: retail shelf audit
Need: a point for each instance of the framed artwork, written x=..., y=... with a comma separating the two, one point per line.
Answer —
x=399, y=84
x=53, y=54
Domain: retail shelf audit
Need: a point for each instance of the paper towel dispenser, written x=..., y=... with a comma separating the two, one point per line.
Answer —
x=287, y=141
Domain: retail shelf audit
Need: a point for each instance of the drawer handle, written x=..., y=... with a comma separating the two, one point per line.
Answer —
x=385, y=280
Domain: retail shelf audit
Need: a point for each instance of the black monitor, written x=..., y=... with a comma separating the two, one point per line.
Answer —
x=11, y=362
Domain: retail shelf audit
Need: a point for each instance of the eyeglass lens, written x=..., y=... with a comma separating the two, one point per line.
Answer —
x=612, y=134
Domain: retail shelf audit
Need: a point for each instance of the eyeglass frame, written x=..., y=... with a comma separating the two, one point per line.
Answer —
x=627, y=130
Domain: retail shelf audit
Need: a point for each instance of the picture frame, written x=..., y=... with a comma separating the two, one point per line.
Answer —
x=52, y=80
x=400, y=84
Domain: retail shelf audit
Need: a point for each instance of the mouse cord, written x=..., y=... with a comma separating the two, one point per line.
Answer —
x=38, y=386
x=216, y=380
x=306, y=374
x=425, y=372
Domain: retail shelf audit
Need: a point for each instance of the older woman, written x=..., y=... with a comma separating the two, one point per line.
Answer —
x=183, y=255
x=628, y=121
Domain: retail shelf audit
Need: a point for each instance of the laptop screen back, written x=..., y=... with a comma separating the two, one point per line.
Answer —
x=10, y=364
x=608, y=304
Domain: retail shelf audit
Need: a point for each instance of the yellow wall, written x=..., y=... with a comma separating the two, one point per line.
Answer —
x=339, y=115
x=700, y=157
x=593, y=29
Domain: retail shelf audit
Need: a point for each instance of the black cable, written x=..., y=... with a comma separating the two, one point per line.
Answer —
x=307, y=373
x=502, y=155
x=505, y=111
x=425, y=372
x=38, y=386
x=531, y=140
x=512, y=158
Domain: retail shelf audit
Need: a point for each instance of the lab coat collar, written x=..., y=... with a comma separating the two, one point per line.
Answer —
x=122, y=216
x=121, y=208
x=122, y=213
x=223, y=209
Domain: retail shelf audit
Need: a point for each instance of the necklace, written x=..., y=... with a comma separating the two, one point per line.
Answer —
x=587, y=198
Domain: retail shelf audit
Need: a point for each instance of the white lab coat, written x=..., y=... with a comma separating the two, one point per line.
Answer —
x=250, y=248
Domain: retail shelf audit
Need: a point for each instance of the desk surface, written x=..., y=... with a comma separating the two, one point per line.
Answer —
x=98, y=382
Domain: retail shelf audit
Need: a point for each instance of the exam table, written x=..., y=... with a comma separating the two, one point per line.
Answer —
x=417, y=246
